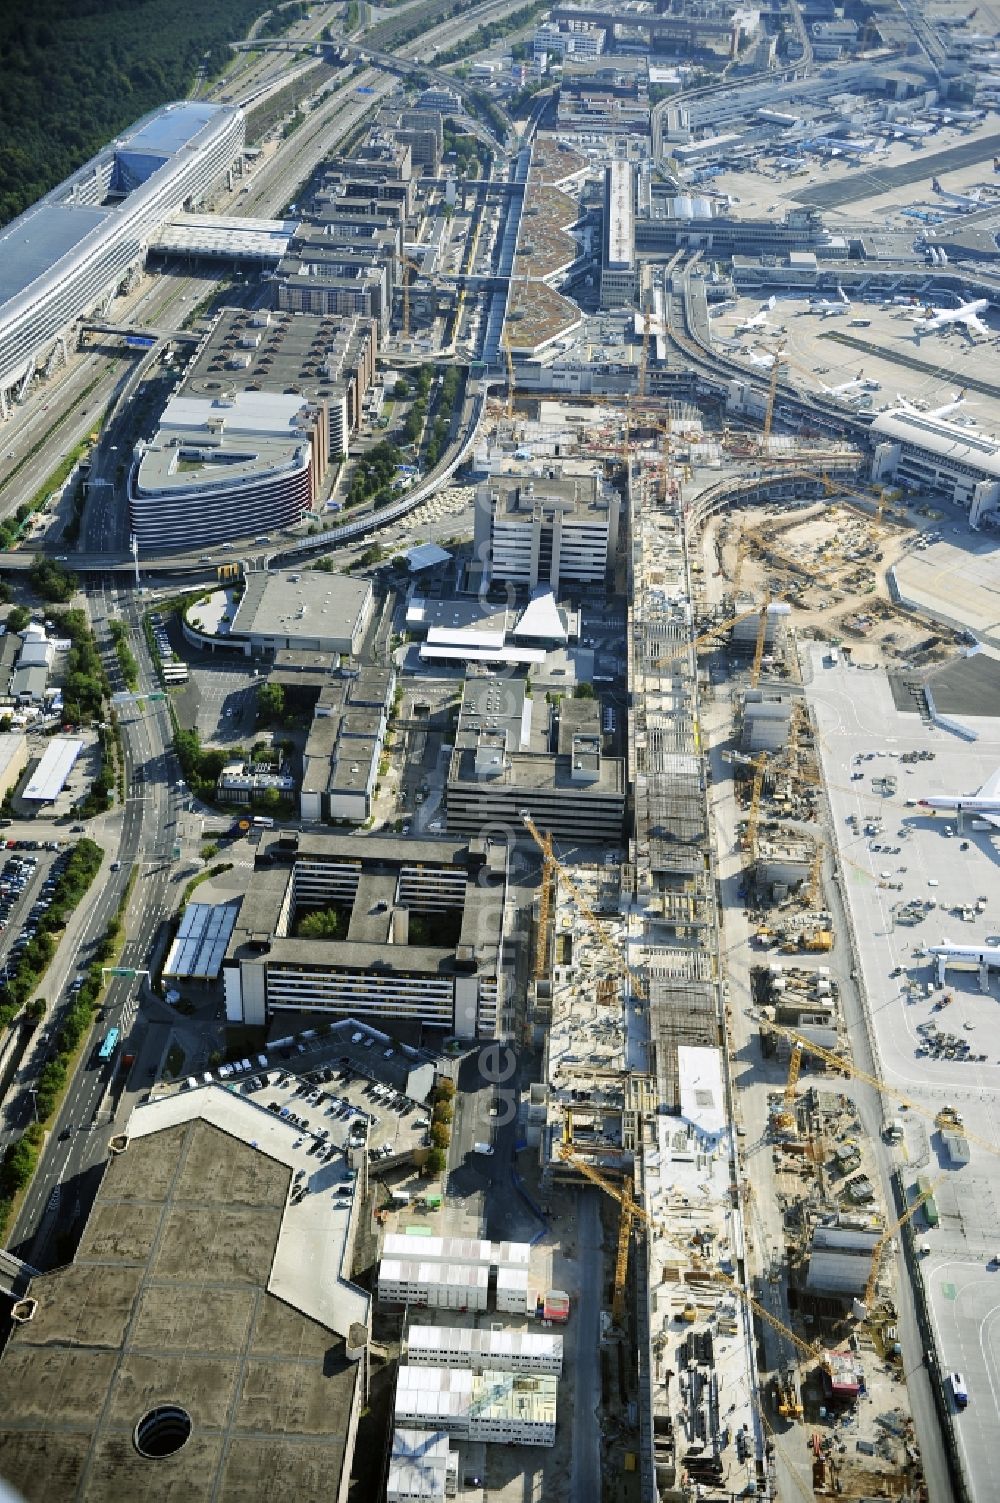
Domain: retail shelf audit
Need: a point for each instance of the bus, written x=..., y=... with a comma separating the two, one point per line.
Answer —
x=109, y=1045
x=263, y=822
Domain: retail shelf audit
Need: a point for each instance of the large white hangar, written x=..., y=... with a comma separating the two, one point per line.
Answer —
x=62, y=257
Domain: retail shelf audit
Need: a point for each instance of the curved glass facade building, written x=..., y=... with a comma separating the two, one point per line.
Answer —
x=226, y=467
x=62, y=257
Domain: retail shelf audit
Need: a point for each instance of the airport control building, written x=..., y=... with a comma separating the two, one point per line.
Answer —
x=64, y=256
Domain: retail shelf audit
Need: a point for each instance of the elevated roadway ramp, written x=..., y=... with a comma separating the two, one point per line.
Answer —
x=15, y=1275
x=140, y=331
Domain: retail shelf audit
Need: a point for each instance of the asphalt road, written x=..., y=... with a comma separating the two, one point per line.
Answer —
x=146, y=841
x=585, y=1476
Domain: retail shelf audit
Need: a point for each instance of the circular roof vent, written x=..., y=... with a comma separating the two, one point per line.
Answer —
x=162, y=1432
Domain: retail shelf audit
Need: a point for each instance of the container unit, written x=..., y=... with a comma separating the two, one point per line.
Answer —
x=492, y=1407
x=501, y=1351
x=422, y=1468
x=469, y=1250
x=513, y=1293
x=439, y=1286
x=555, y=1306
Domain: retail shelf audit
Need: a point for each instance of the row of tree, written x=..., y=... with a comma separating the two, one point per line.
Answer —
x=71, y=884
x=74, y=76
x=18, y=1163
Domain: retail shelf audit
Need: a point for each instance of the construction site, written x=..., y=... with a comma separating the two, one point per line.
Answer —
x=696, y=1000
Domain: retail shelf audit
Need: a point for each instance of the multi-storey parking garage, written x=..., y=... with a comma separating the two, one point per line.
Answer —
x=62, y=257
x=225, y=468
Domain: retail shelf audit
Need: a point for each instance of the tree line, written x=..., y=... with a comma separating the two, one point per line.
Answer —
x=75, y=76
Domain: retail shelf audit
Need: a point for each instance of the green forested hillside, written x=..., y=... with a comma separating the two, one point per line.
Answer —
x=75, y=72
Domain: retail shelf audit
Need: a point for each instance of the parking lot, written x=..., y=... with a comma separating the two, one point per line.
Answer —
x=27, y=880
x=916, y=881
x=333, y=1101
x=220, y=699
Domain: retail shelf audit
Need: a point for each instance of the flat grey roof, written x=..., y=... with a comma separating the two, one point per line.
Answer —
x=372, y=913
x=277, y=350
x=353, y=761
x=375, y=848
x=337, y=955
x=539, y=771
x=262, y=901
x=307, y=603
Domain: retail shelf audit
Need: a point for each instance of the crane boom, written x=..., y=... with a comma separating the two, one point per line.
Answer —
x=706, y=636
x=716, y=1275
x=838, y=1062
x=758, y=652
x=544, y=844
x=772, y=390
x=878, y=1251
x=621, y=1260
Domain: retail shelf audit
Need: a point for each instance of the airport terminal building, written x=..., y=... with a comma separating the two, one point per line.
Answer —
x=64, y=256
x=925, y=451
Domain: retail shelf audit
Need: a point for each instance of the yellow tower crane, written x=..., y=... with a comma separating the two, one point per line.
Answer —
x=847, y=1067
x=758, y=652
x=584, y=909
x=655, y=1228
x=626, y=1221
x=787, y=1118
x=772, y=389
x=407, y=265
x=879, y=1250
x=705, y=637
x=544, y=906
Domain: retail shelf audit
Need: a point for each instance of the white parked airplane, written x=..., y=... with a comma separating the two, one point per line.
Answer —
x=757, y=320
x=988, y=955
x=829, y=307
x=957, y=401
x=846, y=387
x=931, y=320
x=985, y=802
x=763, y=362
